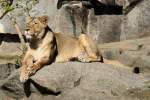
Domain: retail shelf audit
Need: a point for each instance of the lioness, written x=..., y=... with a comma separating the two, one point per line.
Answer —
x=46, y=47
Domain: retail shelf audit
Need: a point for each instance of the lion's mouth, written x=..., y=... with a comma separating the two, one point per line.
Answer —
x=27, y=35
x=36, y=35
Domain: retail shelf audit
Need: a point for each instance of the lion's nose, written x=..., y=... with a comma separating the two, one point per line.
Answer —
x=32, y=35
x=26, y=28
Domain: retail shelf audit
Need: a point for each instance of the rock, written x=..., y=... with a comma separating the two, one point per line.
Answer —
x=6, y=69
x=136, y=23
x=38, y=96
x=71, y=19
x=82, y=94
x=6, y=26
x=124, y=3
x=136, y=60
x=10, y=45
x=86, y=76
x=12, y=87
x=10, y=48
x=133, y=53
x=138, y=93
x=104, y=28
x=111, y=53
x=2, y=30
x=74, y=81
x=58, y=78
x=4, y=97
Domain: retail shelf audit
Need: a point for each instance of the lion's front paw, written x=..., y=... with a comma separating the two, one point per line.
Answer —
x=24, y=74
x=32, y=69
x=24, y=78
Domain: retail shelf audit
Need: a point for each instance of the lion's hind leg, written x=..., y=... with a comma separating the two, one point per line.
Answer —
x=93, y=54
x=83, y=57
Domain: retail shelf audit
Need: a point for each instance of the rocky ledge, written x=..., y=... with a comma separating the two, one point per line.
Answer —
x=76, y=81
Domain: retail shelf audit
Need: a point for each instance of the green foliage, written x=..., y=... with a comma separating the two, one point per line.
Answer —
x=8, y=7
x=22, y=6
x=18, y=61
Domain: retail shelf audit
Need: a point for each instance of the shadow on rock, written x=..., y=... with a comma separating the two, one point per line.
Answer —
x=41, y=89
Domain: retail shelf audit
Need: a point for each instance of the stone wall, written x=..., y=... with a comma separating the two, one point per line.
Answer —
x=136, y=23
x=125, y=76
x=103, y=20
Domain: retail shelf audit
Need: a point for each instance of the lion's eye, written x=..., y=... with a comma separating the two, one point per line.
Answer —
x=35, y=22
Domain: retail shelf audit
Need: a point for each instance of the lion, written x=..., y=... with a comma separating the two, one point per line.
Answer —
x=46, y=47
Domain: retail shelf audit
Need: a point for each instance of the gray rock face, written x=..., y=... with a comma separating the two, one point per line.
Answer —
x=10, y=48
x=104, y=28
x=136, y=23
x=7, y=86
x=73, y=17
x=74, y=81
x=133, y=53
x=8, y=73
x=5, y=70
x=6, y=26
x=124, y=3
x=10, y=45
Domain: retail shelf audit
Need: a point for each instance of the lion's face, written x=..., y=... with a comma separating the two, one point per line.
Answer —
x=35, y=27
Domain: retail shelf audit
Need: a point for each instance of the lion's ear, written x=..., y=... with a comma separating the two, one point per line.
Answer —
x=44, y=19
x=28, y=19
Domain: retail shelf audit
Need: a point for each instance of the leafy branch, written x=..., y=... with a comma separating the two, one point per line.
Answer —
x=7, y=8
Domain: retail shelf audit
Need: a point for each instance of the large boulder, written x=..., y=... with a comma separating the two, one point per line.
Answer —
x=133, y=53
x=75, y=81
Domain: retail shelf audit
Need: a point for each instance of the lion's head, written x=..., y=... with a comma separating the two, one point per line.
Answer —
x=35, y=26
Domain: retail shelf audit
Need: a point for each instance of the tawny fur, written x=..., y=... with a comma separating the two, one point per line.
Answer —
x=46, y=47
